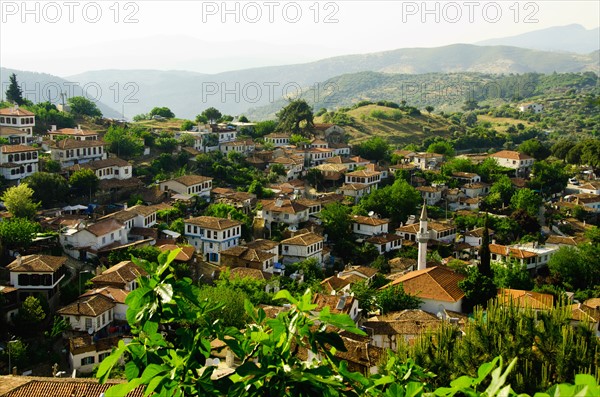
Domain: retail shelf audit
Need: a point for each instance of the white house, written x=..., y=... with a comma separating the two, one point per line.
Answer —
x=15, y=136
x=520, y=162
x=365, y=177
x=136, y=216
x=37, y=274
x=278, y=139
x=71, y=151
x=18, y=161
x=189, y=184
x=80, y=242
x=117, y=295
x=437, y=287
x=427, y=161
x=211, y=235
x=369, y=226
x=476, y=189
x=285, y=211
x=123, y=276
x=85, y=353
x=431, y=194
x=445, y=232
x=301, y=247
x=110, y=168
x=89, y=313
x=344, y=304
x=354, y=190
x=73, y=133
x=386, y=242
x=18, y=118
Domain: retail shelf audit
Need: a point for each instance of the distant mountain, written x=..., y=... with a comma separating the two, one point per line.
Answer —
x=40, y=87
x=569, y=38
x=444, y=91
x=188, y=93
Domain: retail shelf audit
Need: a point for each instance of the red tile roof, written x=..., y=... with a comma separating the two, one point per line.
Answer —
x=437, y=283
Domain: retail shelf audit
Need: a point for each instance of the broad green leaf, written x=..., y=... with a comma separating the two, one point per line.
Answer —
x=464, y=382
x=151, y=371
x=165, y=291
x=131, y=370
x=109, y=362
x=285, y=294
x=122, y=389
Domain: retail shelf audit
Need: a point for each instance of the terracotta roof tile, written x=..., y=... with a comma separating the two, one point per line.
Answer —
x=521, y=298
x=15, y=111
x=37, y=263
x=438, y=283
x=104, y=227
x=367, y=220
x=88, y=305
x=58, y=387
x=191, y=180
x=119, y=274
x=18, y=149
x=211, y=222
x=305, y=239
x=511, y=155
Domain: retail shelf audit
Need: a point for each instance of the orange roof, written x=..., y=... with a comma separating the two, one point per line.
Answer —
x=211, y=222
x=18, y=149
x=514, y=252
x=334, y=283
x=521, y=298
x=287, y=206
x=15, y=111
x=511, y=155
x=185, y=254
x=367, y=220
x=37, y=263
x=305, y=239
x=438, y=283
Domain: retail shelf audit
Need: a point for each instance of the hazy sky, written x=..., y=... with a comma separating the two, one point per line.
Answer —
x=69, y=37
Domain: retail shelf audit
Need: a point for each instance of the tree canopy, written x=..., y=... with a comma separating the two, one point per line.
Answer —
x=296, y=117
x=13, y=92
x=82, y=106
x=18, y=201
x=48, y=188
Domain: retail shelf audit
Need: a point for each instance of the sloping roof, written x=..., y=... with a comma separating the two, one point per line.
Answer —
x=353, y=186
x=18, y=149
x=88, y=305
x=73, y=131
x=437, y=283
x=15, y=111
x=305, y=239
x=367, y=272
x=211, y=222
x=504, y=250
x=104, y=227
x=37, y=263
x=511, y=155
x=521, y=298
x=248, y=254
x=117, y=295
x=363, y=173
x=191, y=180
x=367, y=220
x=121, y=273
x=262, y=244
x=98, y=164
x=26, y=386
x=287, y=206
x=4, y=131
x=185, y=254
x=334, y=283
x=337, y=304
x=383, y=239
x=585, y=313
x=247, y=272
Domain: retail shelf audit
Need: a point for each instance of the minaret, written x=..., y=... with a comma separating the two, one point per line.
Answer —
x=422, y=237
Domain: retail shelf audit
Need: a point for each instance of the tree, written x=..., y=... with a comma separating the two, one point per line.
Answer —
x=18, y=201
x=17, y=233
x=49, y=189
x=526, y=200
x=337, y=223
x=576, y=268
x=200, y=118
x=124, y=144
x=535, y=149
x=31, y=313
x=501, y=192
x=441, y=147
x=512, y=274
x=548, y=177
x=396, y=202
x=296, y=117
x=278, y=169
x=243, y=119
x=82, y=106
x=429, y=109
x=162, y=112
x=375, y=149
x=484, y=251
x=561, y=148
x=187, y=125
x=469, y=119
x=393, y=299
x=211, y=114
x=52, y=166
x=232, y=314
x=478, y=289
x=13, y=92
x=315, y=178
x=85, y=181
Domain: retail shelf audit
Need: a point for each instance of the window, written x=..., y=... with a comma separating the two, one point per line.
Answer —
x=98, y=322
x=88, y=360
x=102, y=356
x=88, y=323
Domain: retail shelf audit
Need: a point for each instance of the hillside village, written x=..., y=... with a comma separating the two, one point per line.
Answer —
x=398, y=238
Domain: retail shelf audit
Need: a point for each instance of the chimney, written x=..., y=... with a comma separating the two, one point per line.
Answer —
x=14, y=370
x=19, y=259
x=53, y=127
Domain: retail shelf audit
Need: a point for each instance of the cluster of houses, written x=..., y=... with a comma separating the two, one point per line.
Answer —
x=213, y=245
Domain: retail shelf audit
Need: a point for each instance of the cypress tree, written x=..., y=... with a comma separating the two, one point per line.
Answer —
x=14, y=92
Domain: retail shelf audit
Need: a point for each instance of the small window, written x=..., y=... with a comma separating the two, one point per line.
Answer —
x=88, y=360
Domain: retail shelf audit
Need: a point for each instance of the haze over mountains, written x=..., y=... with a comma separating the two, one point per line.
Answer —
x=188, y=93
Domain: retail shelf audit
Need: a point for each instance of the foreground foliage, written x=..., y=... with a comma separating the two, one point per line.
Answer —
x=174, y=338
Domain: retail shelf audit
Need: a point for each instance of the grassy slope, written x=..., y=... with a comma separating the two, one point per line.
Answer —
x=407, y=130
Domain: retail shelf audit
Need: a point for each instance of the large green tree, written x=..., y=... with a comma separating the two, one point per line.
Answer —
x=375, y=149
x=49, y=189
x=337, y=223
x=396, y=202
x=17, y=233
x=18, y=201
x=13, y=92
x=123, y=142
x=211, y=114
x=296, y=117
x=85, y=181
x=526, y=200
x=163, y=112
x=82, y=106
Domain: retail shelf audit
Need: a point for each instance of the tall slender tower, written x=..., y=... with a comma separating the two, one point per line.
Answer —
x=422, y=237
